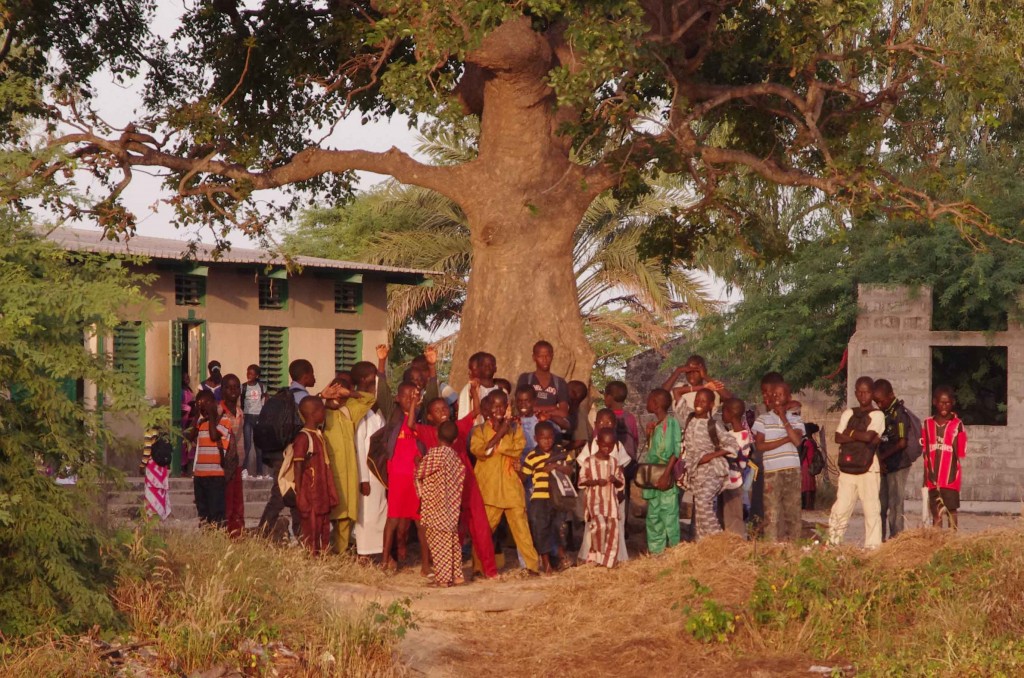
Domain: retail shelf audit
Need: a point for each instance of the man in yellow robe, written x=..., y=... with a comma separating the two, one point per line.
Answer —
x=343, y=415
x=497, y=446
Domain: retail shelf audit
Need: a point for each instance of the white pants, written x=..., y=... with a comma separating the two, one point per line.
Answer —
x=585, y=544
x=373, y=513
x=852, y=487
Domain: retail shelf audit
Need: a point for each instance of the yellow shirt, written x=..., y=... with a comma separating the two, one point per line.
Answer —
x=339, y=432
x=496, y=472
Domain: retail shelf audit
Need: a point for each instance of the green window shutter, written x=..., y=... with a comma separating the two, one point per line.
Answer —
x=189, y=290
x=348, y=297
x=348, y=349
x=130, y=351
x=274, y=355
x=273, y=294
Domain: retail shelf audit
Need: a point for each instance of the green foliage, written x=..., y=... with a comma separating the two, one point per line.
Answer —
x=54, y=563
x=710, y=622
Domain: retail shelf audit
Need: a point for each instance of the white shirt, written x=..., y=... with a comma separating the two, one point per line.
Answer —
x=466, y=401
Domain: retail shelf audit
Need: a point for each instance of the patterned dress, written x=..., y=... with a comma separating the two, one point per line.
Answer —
x=439, y=479
x=602, y=508
x=706, y=480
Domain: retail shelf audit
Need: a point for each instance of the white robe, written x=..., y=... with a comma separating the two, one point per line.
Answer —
x=373, y=509
x=623, y=458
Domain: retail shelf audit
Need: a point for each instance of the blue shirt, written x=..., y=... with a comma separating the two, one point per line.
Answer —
x=300, y=393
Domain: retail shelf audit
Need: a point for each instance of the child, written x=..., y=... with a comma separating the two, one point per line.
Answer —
x=538, y=465
x=234, y=500
x=526, y=398
x=213, y=382
x=626, y=431
x=860, y=426
x=735, y=499
x=254, y=394
x=578, y=434
x=696, y=370
x=944, y=442
x=157, y=476
x=373, y=502
x=552, y=401
x=315, y=495
x=497, y=446
x=473, y=516
x=605, y=419
x=707, y=444
x=440, y=477
x=602, y=478
x=663, y=500
x=505, y=385
x=403, y=503
x=207, y=473
x=777, y=433
x=345, y=409
x=482, y=367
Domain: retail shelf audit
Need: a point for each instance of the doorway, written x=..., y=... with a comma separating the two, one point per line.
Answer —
x=188, y=358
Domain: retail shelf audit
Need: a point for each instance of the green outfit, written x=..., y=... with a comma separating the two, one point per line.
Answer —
x=663, y=505
x=339, y=432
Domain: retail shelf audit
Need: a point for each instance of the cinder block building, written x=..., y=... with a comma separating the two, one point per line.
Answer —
x=242, y=307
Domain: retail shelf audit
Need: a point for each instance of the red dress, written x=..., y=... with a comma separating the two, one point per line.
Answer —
x=403, y=502
x=473, y=516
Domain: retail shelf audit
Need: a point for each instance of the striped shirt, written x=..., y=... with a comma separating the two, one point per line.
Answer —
x=533, y=466
x=784, y=456
x=207, y=461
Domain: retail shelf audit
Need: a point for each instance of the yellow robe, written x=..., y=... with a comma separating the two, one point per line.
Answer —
x=495, y=473
x=340, y=434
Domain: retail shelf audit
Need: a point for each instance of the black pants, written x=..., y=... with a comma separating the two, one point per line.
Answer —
x=543, y=523
x=276, y=504
x=209, y=494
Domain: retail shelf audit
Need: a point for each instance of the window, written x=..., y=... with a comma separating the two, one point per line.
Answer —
x=130, y=351
x=348, y=297
x=189, y=290
x=978, y=376
x=274, y=355
x=273, y=294
x=348, y=349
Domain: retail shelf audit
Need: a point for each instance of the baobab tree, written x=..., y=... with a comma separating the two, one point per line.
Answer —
x=861, y=100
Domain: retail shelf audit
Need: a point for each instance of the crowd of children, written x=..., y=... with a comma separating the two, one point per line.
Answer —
x=368, y=465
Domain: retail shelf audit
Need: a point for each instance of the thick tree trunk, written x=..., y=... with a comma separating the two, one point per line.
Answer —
x=523, y=289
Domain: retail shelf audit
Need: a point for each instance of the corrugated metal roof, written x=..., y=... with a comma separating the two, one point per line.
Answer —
x=166, y=248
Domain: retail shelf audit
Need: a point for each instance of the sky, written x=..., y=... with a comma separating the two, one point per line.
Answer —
x=120, y=104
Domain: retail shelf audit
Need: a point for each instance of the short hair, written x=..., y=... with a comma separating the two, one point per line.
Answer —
x=447, y=432
x=729, y=402
x=865, y=380
x=543, y=343
x=498, y=393
x=213, y=366
x=231, y=376
x=617, y=390
x=419, y=361
x=255, y=368
x=943, y=389
x=503, y=385
x=545, y=426
x=299, y=368
x=883, y=385
x=699, y=359
x=362, y=370
x=485, y=402
x=309, y=401
x=427, y=405
x=203, y=395
x=711, y=394
x=663, y=396
x=484, y=355
x=524, y=389
x=474, y=359
x=405, y=384
x=772, y=379
x=407, y=375
x=606, y=412
x=575, y=384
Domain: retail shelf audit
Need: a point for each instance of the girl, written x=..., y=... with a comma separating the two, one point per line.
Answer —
x=706, y=443
x=605, y=419
x=663, y=498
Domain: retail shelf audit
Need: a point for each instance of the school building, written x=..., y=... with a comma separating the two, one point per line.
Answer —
x=242, y=307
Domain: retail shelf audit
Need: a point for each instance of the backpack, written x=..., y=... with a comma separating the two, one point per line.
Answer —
x=162, y=451
x=286, y=476
x=809, y=446
x=856, y=458
x=626, y=437
x=277, y=425
x=912, y=452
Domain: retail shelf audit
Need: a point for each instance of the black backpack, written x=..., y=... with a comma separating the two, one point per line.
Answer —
x=162, y=451
x=277, y=425
x=856, y=458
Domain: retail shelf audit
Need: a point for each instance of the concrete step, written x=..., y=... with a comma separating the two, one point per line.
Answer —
x=135, y=497
x=138, y=484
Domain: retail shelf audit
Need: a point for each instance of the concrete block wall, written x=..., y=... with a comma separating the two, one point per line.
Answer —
x=894, y=341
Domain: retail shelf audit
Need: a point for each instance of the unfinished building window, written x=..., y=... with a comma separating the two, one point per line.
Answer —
x=979, y=377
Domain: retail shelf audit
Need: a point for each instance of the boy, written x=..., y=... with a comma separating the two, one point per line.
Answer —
x=473, y=515
x=440, y=477
x=212, y=435
x=254, y=394
x=663, y=499
x=315, y=494
x=860, y=426
x=552, y=392
x=373, y=502
x=892, y=456
x=707, y=444
x=696, y=371
x=482, y=367
x=777, y=434
x=537, y=466
x=234, y=499
x=626, y=431
x=527, y=421
x=944, y=442
x=344, y=411
x=497, y=446
x=735, y=499
x=602, y=479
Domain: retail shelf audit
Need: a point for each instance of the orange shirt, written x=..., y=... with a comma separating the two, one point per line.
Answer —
x=207, y=462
